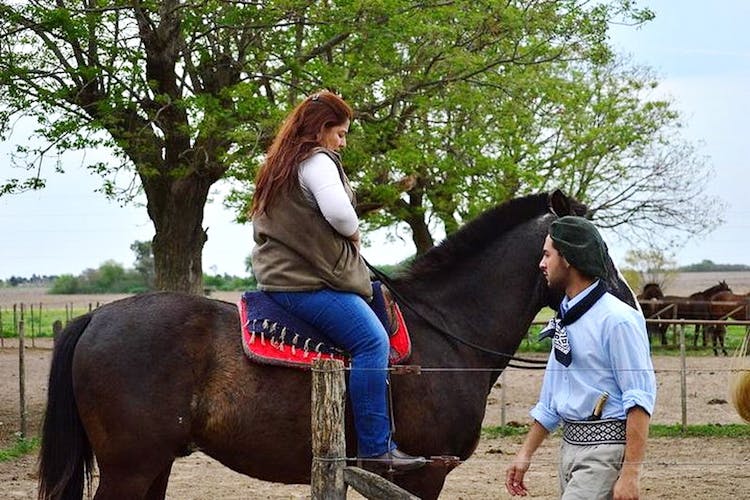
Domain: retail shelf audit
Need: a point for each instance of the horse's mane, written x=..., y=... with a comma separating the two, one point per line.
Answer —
x=478, y=233
x=720, y=287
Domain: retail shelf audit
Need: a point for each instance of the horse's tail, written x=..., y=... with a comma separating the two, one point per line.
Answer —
x=65, y=457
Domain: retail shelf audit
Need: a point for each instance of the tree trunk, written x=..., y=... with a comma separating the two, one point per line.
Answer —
x=420, y=234
x=179, y=238
x=414, y=214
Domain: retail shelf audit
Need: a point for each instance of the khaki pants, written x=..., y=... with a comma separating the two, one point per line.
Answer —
x=589, y=472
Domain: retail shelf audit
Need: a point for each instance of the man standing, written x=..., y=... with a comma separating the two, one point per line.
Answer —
x=599, y=382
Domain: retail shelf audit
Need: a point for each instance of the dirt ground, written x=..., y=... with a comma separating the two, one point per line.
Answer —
x=675, y=468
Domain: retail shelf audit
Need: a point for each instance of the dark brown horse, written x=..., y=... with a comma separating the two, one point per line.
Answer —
x=652, y=303
x=727, y=305
x=696, y=306
x=142, y=381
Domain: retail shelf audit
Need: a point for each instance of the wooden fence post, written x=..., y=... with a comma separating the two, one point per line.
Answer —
x=683, y=379
x=57, y=328
x=330, y=477
x=502, y=397
x=39, y=330
x=328, y=438
x=33, y=322
x=22, y=378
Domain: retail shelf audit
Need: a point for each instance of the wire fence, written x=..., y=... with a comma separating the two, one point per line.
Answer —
x=27, y=322
x=40, y=320
x=547, y=461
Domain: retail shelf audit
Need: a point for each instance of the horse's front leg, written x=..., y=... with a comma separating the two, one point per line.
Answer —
x=426, y=483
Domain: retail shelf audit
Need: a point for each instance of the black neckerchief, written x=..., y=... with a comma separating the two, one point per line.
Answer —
x=556, y=325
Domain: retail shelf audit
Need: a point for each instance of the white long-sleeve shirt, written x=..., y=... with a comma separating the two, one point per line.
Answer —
x=322, y=187
x=611, y=354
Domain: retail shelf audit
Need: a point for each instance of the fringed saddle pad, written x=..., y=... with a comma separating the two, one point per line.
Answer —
x=270, y=335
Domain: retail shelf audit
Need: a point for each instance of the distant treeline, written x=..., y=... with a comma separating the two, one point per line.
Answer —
x=112, y=277
x=708, y=266
x=34, y=280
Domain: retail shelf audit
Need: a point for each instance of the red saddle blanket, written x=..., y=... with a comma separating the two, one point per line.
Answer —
x=271, y=336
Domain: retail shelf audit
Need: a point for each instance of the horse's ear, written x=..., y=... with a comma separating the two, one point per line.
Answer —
x=559, y=204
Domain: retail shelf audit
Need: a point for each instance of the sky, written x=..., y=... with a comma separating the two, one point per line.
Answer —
x=699, y=50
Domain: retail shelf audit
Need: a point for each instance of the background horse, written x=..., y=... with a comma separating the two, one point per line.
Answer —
x=651, y=301
x=697, y=307
x=142, y=381
x=727, y=305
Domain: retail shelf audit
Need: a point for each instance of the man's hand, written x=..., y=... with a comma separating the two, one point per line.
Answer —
x=626, y=488
x=514, y=476
x=516, y=470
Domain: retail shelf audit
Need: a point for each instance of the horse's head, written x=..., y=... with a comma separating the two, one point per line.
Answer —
x=711, y=291
x=651, y=291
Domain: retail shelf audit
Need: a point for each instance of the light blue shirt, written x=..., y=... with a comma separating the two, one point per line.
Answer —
x=611, y=353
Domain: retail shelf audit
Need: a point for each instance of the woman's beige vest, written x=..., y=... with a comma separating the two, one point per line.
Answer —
x=297, y=250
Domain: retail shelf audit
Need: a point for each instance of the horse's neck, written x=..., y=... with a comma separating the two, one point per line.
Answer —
x=714, y=290
x=482, y=306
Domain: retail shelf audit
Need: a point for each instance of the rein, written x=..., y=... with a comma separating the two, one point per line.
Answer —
x=385, y=279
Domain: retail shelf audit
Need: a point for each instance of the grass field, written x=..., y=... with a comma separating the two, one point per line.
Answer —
x=41, y=310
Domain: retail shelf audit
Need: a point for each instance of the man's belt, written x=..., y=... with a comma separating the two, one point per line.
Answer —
x=589, y=432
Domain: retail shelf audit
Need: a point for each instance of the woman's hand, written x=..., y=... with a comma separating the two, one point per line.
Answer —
x=355, y=239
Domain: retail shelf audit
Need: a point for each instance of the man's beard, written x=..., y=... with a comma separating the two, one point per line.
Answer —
x=556, y=286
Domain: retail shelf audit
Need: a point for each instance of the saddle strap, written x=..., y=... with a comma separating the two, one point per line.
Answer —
x=390, y=310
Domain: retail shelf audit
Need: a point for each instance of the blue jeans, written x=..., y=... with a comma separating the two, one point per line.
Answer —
x=350, y=323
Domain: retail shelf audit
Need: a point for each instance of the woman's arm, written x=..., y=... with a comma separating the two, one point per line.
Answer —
x=319, y=177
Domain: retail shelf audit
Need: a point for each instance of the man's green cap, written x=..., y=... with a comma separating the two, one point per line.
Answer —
x=578, y=240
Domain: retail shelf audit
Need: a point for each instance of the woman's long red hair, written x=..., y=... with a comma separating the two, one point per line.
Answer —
x=298, y=135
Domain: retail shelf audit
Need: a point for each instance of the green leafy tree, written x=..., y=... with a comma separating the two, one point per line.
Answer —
x=109, y=277
x=65, y=284
x=650, y=266
x=144, y=262
x=588, y=127
x=228, y=283
x=188, y=93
